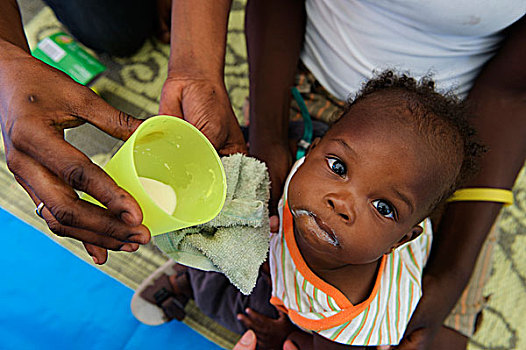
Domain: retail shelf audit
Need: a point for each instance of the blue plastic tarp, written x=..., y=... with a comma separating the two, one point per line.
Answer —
x=50, y=299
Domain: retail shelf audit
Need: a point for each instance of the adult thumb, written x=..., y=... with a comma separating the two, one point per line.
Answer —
x=247, y=342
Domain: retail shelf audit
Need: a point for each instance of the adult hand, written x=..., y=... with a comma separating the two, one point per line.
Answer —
x=195, y=89
x=206, y=105
x=37, y=103
x=247, y=342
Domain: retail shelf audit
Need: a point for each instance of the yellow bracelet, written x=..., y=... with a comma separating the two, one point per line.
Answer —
x=483, y=195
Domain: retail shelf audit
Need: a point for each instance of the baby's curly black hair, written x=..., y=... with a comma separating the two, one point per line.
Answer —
x=441, y=118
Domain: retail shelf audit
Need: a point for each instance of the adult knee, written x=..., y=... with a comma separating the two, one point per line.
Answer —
x=115, y=27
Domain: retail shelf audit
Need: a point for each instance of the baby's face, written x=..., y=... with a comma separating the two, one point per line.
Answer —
x=361, y=190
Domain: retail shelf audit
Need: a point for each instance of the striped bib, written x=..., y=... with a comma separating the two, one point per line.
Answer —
x=315, y=305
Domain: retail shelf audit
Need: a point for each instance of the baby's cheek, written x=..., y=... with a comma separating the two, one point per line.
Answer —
x=364, y=250
x=296, y=191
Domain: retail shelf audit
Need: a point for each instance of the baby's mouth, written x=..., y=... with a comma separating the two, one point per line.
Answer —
x=316, y=225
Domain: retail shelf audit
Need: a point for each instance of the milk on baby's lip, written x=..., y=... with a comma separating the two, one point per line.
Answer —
x=162, y=194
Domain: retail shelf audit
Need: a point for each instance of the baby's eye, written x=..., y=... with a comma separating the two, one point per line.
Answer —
x=337, y=166
x=384, y=208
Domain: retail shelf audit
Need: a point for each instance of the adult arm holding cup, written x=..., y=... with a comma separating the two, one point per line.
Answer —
x=37, y=102
x=194, y=88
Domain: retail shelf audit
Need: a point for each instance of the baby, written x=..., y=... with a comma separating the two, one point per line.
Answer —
x=347, y=263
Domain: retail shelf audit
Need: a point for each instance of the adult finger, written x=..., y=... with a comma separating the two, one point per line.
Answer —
x=86, y=236
x=98, y=254
x=67, y=211
x=77, y=170
x=89, y=107
x=102, y=230
x=247, y=342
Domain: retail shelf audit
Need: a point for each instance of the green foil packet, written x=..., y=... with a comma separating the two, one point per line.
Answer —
x=61, y=51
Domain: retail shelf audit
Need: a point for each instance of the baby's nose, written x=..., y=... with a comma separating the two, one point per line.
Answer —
x=341, y=207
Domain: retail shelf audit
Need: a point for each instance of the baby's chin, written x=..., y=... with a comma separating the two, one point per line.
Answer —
x=318, y=250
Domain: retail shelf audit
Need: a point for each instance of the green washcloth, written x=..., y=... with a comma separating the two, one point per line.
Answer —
x=235, y=242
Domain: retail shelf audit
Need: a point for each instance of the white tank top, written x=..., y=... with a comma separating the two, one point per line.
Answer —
x=347, y=39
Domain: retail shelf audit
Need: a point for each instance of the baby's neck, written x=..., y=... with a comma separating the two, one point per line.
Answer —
x=356, y=282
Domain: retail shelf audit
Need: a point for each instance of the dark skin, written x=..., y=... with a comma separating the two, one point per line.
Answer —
x=372, y=189
x=195, y=85
x=281, y=334
x=499, y=105
x=271, y=82
x=497, y=92
x=270, y=333
x=45, y=165
x=359, y=168
x=38, y=102
x=277, y=334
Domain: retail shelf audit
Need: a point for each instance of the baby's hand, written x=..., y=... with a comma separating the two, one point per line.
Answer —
x=270, y=332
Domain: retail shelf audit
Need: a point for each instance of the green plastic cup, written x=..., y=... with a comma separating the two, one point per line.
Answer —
x=180, y=161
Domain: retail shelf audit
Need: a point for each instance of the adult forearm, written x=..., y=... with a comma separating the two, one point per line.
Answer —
x=198, y=38
x=11, y=30
x=275, y=31
x=498, y=99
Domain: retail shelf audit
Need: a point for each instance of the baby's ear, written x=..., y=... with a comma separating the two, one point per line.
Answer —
x=412, y=234
x=313, y=145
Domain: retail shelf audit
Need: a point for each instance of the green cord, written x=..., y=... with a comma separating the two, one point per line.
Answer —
x=306, y=140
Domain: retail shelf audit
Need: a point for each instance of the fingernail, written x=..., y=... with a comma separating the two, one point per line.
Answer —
x=129, y=247
x=95, y=260
x=248, y=338
x=238, y=316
